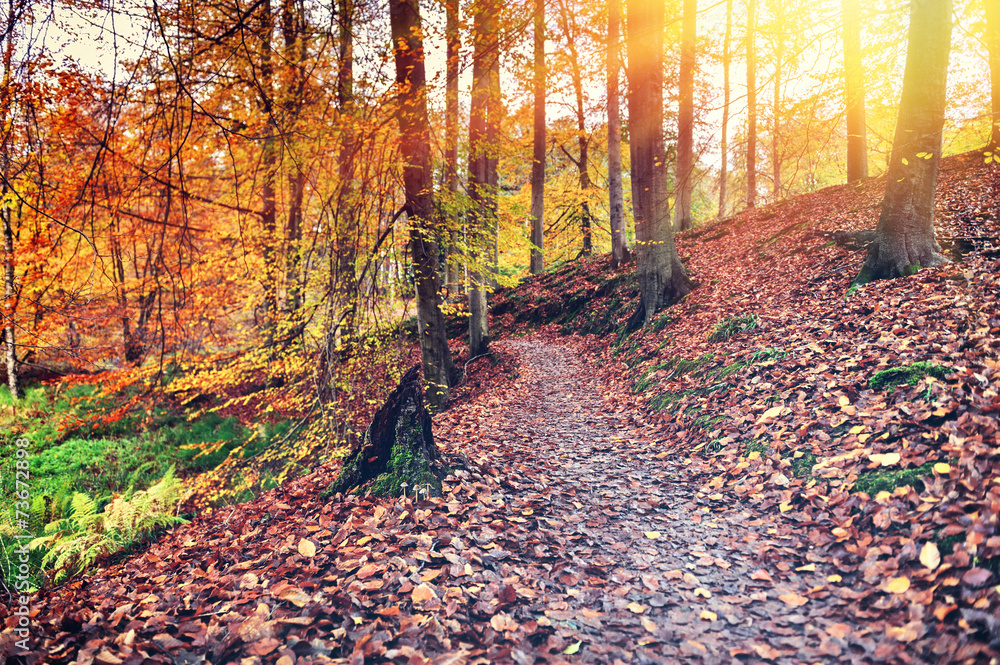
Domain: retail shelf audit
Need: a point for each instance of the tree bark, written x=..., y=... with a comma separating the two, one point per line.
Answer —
x=723, y=143
x=415, y=148
x=904, y=238
x=15, y=13
x=398, y=449
x=453, y=274
x=751, y=106
x=854, y=83
x=659, y=270
x=616, y=198
x=269, y=166
x=779, y=54
x=685, y=118
x=993, y=42
x=538, y=148
x=483, y=133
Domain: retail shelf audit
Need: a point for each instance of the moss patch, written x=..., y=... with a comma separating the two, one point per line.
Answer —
x=731, y=325
x=908, y=374
x=885, y=480
x=803, y=464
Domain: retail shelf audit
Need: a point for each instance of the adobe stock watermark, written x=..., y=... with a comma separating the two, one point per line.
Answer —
x=20, y=563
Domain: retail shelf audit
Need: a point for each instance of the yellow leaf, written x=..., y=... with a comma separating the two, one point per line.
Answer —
x=773, y=412
x=572, y=649
x=905, y=161
x=857, y=429
x=705, y=593
x=649, y=625
x=636, y=608
x=307, y=548
x=930, y=556
x=709, y=616
x=793, y=599
x=942, y=467
x=652, y=535
x=843, y=400
x=833, y=579
x=897, y=585
x=809, y=567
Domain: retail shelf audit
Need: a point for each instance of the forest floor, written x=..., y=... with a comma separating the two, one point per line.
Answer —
x=771, y=472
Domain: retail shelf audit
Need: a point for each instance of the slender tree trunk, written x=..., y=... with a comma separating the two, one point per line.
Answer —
x=723, y=144
x=661, y=275
x=9, y=284
x=453, y=38
x=347, y=231
x=293, y=30
x=619, y=241
x=483, y=167
x=854, y=82
x=779, y=55
x=685, y=118
x=904, y=238
x=538, y=152
x=751, y=105
x=415, y=148
x=993, y=42
x=269, y=167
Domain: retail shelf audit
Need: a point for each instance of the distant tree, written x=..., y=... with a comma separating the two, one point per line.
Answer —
x=685, y=118
x=778, y=11
x=854, y=83
x=484, y=124
x=751, y=106
x=453, y=37
x=616, y=199
x=538, y=148
x=993, y=42
x=661, y=275
x=904, y=238
x=723, y=143
x=415, y=147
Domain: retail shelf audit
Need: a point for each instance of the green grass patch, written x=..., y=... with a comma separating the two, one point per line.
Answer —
x=733, y=325
x=803, y=464
x=755, y=447
x=888, y=379
x=887, y=480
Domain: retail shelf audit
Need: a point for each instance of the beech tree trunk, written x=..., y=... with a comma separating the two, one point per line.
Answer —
x=398, y=447
x=269, y=167
x=993, y=42
x=452, y=272
x=538, y=152
x=751, y=105
x=15, y=13
x=616, y=198
x=723, y=144
x=685, y=118
x=854, y=83
x=415, y=148
x=904, y=238
x=483, y=135
x=779, y=54
x=661, y=275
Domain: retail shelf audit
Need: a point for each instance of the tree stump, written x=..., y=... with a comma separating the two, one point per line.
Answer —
x=398, y=446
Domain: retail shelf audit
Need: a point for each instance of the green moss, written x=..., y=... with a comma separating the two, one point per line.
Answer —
x=662, y=322
x=946, y=544
x=908, y=374
x=803, y=464
x=911, y=269
x=886, y=480
x=732, y=325
x=755, y=447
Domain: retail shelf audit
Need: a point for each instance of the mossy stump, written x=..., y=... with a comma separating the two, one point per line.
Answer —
x=398, y=446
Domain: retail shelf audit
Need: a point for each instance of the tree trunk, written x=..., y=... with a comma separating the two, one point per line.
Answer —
x=993, y=42
x=269, y=166
x=483, y=128
x=723, y=144
x=538, y=153
x=751, y=106
x=415, y=148
x=15, y=13
x=660, y=273
x=398, y=449
x=453, y=273
x=616, y=198
x=854, y=82
x=293, y=31
x=779, y=54
x=347, y=231
x=904, y=238
x=685, y=118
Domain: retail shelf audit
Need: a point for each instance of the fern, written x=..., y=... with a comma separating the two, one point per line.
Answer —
x=84, y=535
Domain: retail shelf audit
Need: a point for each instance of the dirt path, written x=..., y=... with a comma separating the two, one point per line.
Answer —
x=634, y=566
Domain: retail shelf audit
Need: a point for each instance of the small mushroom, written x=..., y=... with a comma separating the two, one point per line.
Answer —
x=404, y=485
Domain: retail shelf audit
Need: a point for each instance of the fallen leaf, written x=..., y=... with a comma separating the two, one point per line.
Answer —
x=307, y=548
x=930, y=556
x=793, y=599
x=840, y=630
x=897, y=585
x=649, y=625
x=761, y=575
x=705, y=593
x=422, y=594
x=636, y=608
x=976, y=577
x=942, y=467
x=908, y=633
x=709, y=616
x=652, y=535
x=572, y=649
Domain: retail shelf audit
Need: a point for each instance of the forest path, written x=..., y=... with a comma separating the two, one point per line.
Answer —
x=633, y=564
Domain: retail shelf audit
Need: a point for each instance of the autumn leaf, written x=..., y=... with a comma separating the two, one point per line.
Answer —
x=307, y=548
x=652, y=535
x=573, y=648
x=422, y=593
x=942, y=468
x=709, y=616
x=793, y=599
x=649, y=625
x=704, y=593
x=929, y=555
x=897, y=585
x=636, y=608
